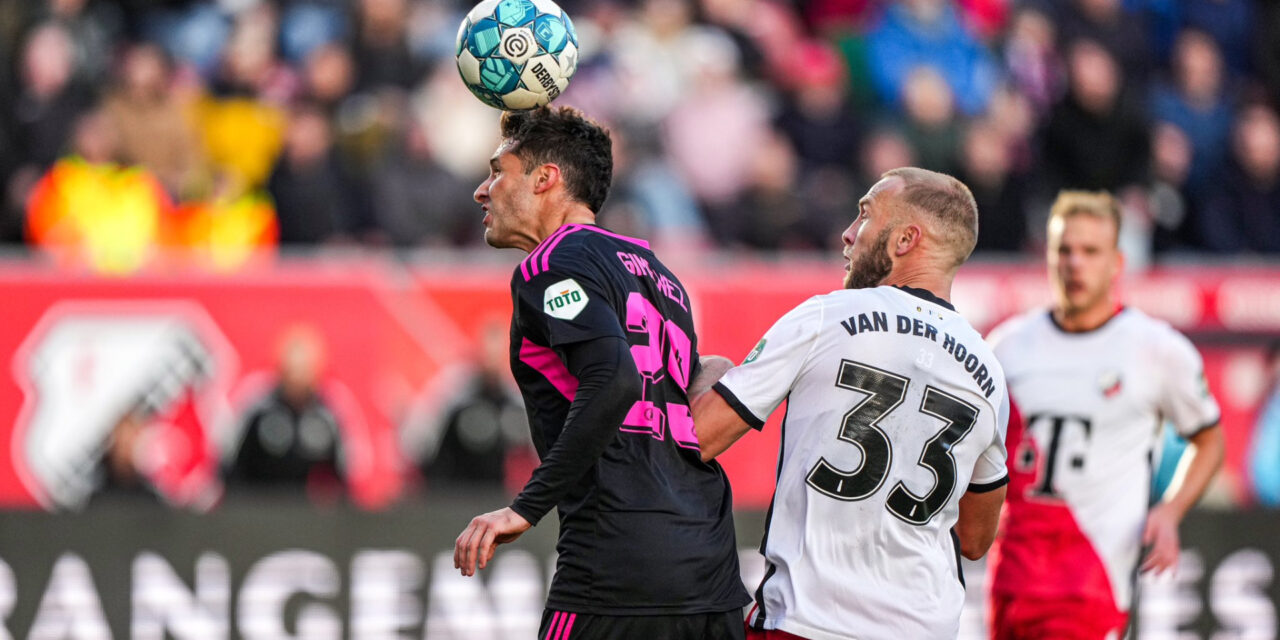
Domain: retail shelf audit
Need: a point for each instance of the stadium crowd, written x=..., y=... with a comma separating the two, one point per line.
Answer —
x=220, y=127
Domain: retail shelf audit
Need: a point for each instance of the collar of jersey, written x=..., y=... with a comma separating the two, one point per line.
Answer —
x=925, y=294
x=1054, y=321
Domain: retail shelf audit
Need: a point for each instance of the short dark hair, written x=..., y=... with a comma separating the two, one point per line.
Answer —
x=565, y=137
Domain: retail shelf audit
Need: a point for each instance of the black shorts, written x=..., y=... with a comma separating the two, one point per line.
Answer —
x=564, y=625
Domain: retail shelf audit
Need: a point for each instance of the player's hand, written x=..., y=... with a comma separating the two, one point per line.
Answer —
x=711, y=370
x=1160, y=536
x=476, y=544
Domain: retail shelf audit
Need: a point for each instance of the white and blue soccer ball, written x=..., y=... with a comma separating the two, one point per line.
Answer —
x=517, y=54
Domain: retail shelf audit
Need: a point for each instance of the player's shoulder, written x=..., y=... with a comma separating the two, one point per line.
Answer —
x=583, y=250
x=1155, y=333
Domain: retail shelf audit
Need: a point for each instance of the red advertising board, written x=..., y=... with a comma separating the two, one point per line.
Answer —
x=195, y=348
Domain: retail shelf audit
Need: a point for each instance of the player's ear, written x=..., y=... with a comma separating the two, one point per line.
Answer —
x=907, y=238
x=1117, y=267
x=545, y=177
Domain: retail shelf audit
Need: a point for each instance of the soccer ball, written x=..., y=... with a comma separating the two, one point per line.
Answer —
x=517, y=54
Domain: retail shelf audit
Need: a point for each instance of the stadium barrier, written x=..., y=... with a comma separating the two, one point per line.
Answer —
x=281, y=569
x=197, y=347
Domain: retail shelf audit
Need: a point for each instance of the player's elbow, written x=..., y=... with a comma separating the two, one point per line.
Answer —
x=975, y=548
x=978, y=522
x=627, y=381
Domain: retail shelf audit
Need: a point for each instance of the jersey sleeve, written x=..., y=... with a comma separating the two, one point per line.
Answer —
x=1185, y=399
x=568, y=305
x=757, y=386
x=991, y=471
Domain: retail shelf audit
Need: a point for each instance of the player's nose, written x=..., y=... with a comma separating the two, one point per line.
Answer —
x=850, y=234
x=481, y=193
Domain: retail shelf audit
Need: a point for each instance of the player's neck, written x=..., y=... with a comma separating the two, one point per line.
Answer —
x=931, y=280
x=1082, y=320
x=572, y=213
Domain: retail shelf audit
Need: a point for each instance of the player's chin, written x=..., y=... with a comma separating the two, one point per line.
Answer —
x=495, y=239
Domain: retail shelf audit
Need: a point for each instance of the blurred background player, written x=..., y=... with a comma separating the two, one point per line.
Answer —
x=481, y=436
x=1091, y=382
x=893, y=459
x=1264, y=456
x=291, y=439
x=603, y=348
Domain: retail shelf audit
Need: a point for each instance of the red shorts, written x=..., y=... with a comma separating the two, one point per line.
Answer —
x=1022, y=618
x=771, y=634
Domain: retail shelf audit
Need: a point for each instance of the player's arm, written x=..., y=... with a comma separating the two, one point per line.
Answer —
x=980, y=505
x=742, y=397
x=608, y=384
x=979, y=518
x=1205, y=454
x=718, y=426
x=1187, y=402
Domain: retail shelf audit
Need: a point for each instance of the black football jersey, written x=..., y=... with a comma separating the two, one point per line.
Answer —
x=648, y=528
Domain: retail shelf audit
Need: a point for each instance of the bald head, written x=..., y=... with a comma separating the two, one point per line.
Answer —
x=943, y=205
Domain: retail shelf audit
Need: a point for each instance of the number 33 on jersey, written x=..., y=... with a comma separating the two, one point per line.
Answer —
x=896, y=408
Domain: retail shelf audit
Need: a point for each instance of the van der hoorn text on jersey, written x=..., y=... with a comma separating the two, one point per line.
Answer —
x=879, y=321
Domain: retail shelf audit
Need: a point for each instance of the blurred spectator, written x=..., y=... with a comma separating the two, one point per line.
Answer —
x=1229, y=23
x=817, y=117
x=315, y=202
x=714, y=130
x=648, y=199
x=1123, y=33
x=1031, y=57
x=483, y=435
x=768, y=35
x=1243, y=212
x=884, y=149
x=1265, y=42
x=95, y=28
x=1170, y=166
x=654, y=56
x=152, y=122
x=290, y=438
x=47, y=103
x=418, y=202
x=328, y=75
x=382, y=54
x=89, y=210
x=193, y=33
x=1196, y=102
x=460, y=128
x=916, y=33
x=249, y=66
x=307, y=25
x=1094, y=139
x=1264, y=453
x=1014, y=116
x=987, y=18
x=929, y=121
x=831, y=17
x=773, y=213
x=1068, y=116
x=987, y=169
x=122, y=472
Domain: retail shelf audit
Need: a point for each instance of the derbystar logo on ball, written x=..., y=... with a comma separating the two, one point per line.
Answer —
x=517, y=54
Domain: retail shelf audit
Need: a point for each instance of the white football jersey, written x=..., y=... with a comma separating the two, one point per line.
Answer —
x=895, y=408
x=1092, y=405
